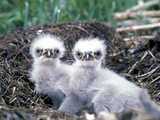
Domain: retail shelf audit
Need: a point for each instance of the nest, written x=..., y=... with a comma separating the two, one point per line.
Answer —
x=15, y=61
x=16, y=90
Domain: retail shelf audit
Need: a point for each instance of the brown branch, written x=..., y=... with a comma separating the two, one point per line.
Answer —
x=138, y=27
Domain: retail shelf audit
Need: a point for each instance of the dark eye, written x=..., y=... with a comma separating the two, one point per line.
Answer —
x=79, y=54
x=38, y=51
x=97, y=54
x=57, y=51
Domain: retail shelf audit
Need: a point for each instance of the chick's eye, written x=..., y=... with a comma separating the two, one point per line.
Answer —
x=38, y=51
x=97, y=53
x=56, y=51
x=79, y=54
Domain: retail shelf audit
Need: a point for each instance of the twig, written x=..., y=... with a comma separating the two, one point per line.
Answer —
x=154, y=80
x=127, y=15
x=136, y=43
x=143, y=6
x=138, y=27
x=152, y=55
x=132, y=22
x=146, y=37
x=154, y=20
x=136, y=63
x=148, y=73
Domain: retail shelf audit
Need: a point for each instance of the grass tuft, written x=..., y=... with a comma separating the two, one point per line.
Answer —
x=23, y=13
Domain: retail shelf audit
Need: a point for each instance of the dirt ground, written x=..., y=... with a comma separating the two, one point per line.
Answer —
x=139, y=63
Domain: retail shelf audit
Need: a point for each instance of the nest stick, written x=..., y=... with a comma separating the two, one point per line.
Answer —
x=128, y=15
x=138, y=27
x=144, y=5
x=146, y=37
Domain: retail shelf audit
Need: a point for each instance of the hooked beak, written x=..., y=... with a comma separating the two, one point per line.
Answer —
x=87, y=57
x=49, y=54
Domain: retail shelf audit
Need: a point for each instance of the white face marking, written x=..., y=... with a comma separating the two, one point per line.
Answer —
x=47, y=46
x=89, y=51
